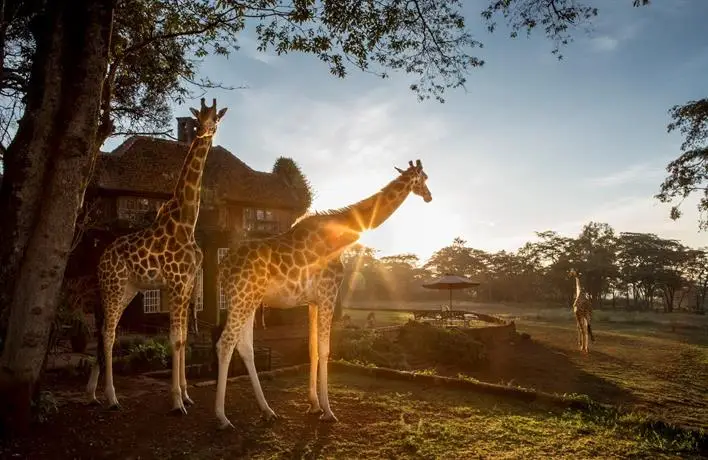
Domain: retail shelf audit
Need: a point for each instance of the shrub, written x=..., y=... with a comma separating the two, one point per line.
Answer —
x=441, y=345
x=417, y=346
x=44, y=406
x=368, y=347
x=149, y=355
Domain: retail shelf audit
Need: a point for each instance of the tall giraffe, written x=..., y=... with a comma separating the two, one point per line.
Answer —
x=582, y=308
x=163, y=255
x=300, y=266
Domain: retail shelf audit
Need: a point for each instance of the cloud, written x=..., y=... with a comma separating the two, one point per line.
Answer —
x=249, y=48
x=604, y=43
x=643, y=172
x=613, y=36
x=641, y=214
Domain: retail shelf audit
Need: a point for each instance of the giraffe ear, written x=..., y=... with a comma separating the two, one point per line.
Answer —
x=398, y=169
x=195, y=112
x=221, y=113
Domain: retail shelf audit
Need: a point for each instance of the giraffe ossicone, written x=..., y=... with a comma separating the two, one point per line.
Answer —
x=164, y=255
x=300, y=266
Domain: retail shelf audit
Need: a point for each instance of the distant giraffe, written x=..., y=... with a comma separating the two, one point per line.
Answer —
x=582, y=308
x=371, y=320
x=300, y=266
x=163, y=255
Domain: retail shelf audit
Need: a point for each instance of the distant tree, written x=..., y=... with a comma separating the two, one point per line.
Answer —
x=402, y=274
x=595, y=254
x=696, y=274
x=456, y=259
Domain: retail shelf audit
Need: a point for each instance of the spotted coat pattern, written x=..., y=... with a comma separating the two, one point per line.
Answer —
x=300, y=266
x=164, y=255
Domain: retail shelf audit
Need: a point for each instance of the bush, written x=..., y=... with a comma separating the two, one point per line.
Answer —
x=441, y=345
x=417, y=346
x=140, y=354
x=147, y=356
x=367, y=346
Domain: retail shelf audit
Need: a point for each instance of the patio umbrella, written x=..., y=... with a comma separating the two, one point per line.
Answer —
x=450, y=282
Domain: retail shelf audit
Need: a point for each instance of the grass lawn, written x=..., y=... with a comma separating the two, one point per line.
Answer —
x=379, y=418
x=655, y=363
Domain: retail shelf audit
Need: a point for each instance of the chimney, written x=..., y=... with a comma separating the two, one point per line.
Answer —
x=186, y=129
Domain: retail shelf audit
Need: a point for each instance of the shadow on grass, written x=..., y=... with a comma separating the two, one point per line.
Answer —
x=314, y=436
x=535, y=365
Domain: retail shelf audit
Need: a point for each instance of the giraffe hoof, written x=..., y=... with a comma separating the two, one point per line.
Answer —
x=114, y=407
x=188, y=401
x=314, y=410
x=178, y=411
x=270, y=416
x=223, y=426
x=94, y=402
x=330, y=418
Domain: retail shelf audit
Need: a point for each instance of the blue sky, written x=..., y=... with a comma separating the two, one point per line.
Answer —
x=534, y=144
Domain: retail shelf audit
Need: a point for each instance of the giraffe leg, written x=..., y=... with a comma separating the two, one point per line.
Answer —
x=186, y=400
x=109, y=337
x=177, y=346
x=324, y=323
x=579, y=327
x=586, y=338
x=245, y=349
x=224, y=350
x=93, y=383
x=313, y=342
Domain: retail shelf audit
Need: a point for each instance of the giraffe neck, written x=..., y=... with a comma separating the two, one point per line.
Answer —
x=188, y=188
x=373, y=211
x=578, y=289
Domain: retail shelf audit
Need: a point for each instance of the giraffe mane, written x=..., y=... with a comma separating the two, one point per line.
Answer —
x=332, y=214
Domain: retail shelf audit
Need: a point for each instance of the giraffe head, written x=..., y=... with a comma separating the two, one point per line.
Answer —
x=573, y=273
x=417, y=178
x=207, y=119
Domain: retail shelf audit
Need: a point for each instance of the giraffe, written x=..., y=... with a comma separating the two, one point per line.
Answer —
x=582, y=308
x=163, y=255
x=300, y=266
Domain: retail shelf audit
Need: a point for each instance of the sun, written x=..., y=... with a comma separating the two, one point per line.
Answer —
x=367, y=238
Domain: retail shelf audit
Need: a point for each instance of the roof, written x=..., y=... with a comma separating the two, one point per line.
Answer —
x=148, y=165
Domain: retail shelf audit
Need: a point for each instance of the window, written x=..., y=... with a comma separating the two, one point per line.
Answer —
x=130, y=204
x=199, y=286
x=143, y=204
x=220, y=254
x=151, y=301
x=263, y=220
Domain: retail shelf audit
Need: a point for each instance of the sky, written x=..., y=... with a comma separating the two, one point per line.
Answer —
x=533, y=144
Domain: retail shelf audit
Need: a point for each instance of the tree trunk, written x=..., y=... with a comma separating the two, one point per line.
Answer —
x=50, y=159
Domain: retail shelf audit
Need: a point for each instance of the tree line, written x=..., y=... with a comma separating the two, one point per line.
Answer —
x=627, y=270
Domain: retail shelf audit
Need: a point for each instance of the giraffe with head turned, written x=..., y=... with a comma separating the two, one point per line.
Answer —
x=582, y=309
x=164, y=255
x=300, y=266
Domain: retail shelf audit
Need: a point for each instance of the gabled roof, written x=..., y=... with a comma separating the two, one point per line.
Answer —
x=149, y=165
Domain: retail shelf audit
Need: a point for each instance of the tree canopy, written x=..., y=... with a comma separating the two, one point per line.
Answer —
x=688, y=173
